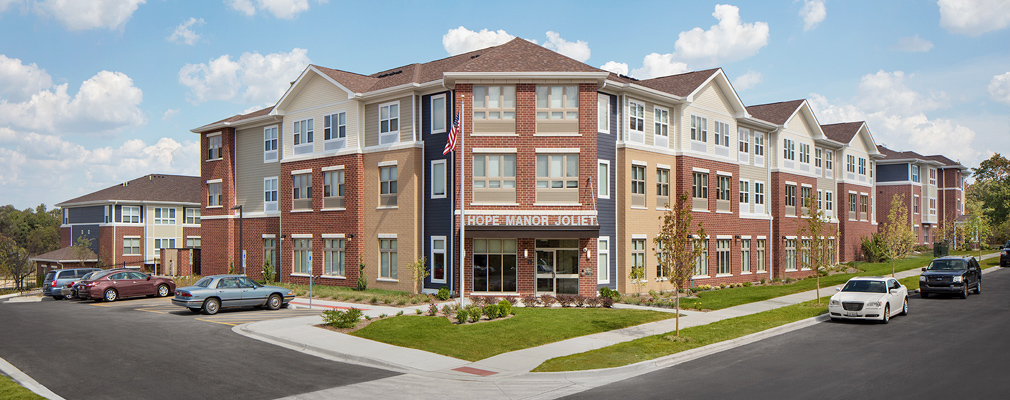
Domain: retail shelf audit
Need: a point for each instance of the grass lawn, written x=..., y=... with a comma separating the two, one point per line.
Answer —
x=10, y=390
x=723, y=298
x=656, y=346
x=530, y=327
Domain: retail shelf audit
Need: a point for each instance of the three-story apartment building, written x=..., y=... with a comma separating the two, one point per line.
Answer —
x=932, y=188
x=556, y=185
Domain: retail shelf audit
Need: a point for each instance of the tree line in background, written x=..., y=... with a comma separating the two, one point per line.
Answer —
x=24, y=234
x=987, y=203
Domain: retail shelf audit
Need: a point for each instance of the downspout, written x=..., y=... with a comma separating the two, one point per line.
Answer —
x=771, y=218
x=114, y=204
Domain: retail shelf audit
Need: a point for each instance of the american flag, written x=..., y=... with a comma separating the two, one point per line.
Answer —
x=450, y=145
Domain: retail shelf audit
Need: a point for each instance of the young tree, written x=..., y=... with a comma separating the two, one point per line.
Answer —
x=637, y=276
x=819, y=250
x=896, y=232
x=419, y=271
x=978, y=227
x=14, y=262
x=676, y=251
x=82, y=250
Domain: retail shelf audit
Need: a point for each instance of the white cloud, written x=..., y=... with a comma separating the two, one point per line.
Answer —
x=578, y=50
x=913, y=44
x=974, y=17
x=999, y=88
x=105, y=103
x=18, y=82
x=284, y=9
x=183, y=33
x=256, y=77
x=169, y=113
x=615, y=67
x=461, y=40
x=896, y=115
x=5, y=4
x=79, y=15
x=813, y=12
x=656, y=64
x=69, y=169
x=730, y=40
x=747, y=81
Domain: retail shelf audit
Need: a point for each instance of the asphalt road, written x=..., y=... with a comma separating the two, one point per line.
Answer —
x=133, y=350
x=945, y=348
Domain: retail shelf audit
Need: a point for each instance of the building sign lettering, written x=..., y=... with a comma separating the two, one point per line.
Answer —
x=531, y=220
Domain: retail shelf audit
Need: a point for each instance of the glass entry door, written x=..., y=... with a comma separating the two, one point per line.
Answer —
x=558, y=266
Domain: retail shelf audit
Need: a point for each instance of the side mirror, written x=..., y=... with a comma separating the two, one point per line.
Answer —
x=148, y=277
x=838, y=289
x=894, y=291
x=923, y=269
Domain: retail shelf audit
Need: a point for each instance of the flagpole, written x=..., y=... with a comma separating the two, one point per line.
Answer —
x=462, y=203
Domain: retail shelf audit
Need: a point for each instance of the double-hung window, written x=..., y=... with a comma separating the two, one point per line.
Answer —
x=333, y=189
x=270, y=144
x=162, y=244
x=759, y=197
x=915, y=204
x=270, y=193
x=788, y=149
x=743, y=152
x=164, y=216
x=790, y=247
x=759, y=259
x=438, y=179
x=829, y=203
x=850, y=164
x=701, y=262
x=829, y=161
x=806, y=196
x=214, y=147
x=791, y=200
x=438, y=114
x=387, y=186
x=722, y=249
x=818, y=156
x=335, y=131
x=863, y=200
x=744, y=256
x=932, y=176
x=744, y=195
x=699, y=128
x=558, y=103
x=638, y=254
x=131, y=214
x=603, y=179
x=603, y=113
x=437, y=271
x=192, y=216
x=721, y=134
x=389, y=123
x=304, y=131
x=494, y=103
x=915, y=173
x=759, y=149
x=722, y=193
x=603, y=259
x=333, y=257
x=638, y=185
x=662, y=132
x=852, y=206
x=301, y=191
x=805, y=153
x=214, y=194
x=636, y=122
x=387, y=259
x=302, y=252
x=270, y=252
x=557, y=178
x=699, y=190
x=131, y=246
x=862, y=166
x=494, y=178
x=662, y=188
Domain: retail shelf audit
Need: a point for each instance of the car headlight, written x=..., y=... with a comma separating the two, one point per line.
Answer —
x=834, y=302
x=873, y=303
x=922, y=278
x=958, y=279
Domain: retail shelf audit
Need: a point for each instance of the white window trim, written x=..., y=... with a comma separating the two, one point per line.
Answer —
x=276, y=203
x=601, y=255
x=598, y=185
x=395, y=133
x=445, y=180
x=600, y=96
x=386, y=164
x=431, y=247
x=275, y=152
x=655, y=133
x=304, y=144
x=447, y=122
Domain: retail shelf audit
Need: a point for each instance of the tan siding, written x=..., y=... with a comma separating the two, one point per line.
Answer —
x=712, y=98
x=404, y=221
x=317, y=92
x=371, y=125
x=653, y=212
x=372, y=121
x=250, y=168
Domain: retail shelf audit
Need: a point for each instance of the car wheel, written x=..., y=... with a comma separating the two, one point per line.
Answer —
x=887, y=315
x=211, y=306
x=964, y=291
x=923, y=294
x=978, y=287
x=904, y=307
x=162, y=290
x=57, y=297
x=274, y=302
x=111, y=295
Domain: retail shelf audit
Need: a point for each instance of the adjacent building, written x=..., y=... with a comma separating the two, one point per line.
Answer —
x=556, y=184
x=128, y=225
x=931, y=188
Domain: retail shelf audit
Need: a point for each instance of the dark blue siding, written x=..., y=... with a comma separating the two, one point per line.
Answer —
x=87, y=215
x=892, y=172
x=438, y=217
x=89, y=232
x=606, y=149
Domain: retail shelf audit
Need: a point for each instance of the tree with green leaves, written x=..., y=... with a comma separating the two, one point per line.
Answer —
x=268, y=272
x=992, y=189
x=675, y=248
x=82, y=250
x=419, y=271
x=977, y=228
x=819, y=249
x=897, y=232
x=14, y=262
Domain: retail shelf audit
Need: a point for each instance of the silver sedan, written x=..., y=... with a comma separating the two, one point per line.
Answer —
x=212, y=293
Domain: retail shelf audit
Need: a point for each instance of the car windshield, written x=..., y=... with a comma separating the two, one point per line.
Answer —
x=946, y=265
x=865, y=286
x=203, y=282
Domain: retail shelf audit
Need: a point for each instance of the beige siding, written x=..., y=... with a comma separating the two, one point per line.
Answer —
x=404, y=220
x=711, y=97
x=405, y=122
x=651, y=212
x=318, y=91
x=250, y=168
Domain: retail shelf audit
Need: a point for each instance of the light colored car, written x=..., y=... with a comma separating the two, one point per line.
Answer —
x=211, y=293
x=869, y=297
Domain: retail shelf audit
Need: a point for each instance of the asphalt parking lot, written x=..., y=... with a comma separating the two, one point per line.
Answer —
x=148, y=348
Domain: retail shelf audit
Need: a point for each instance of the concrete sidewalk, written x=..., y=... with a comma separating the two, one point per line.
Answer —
x=510, y=371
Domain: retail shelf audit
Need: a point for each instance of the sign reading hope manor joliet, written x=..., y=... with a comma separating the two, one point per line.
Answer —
x=531, y=220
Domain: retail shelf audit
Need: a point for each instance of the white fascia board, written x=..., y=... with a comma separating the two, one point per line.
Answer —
x=450, y=78
x=281, y=104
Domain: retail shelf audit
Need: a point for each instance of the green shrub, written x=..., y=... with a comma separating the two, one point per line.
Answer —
x=490, y=311
x=443, y=293
x=401, y=302
x=747, y=284
x=268, y=272
x=922, y=247
x=475, y=314
x=362, y=283
x=418, y=311
x=399, y=313
x=874, y=249
x=462, y=315
x=446, y=309
x=39, y=279
x=342, y=319
x=506, y=308
x=432, y=309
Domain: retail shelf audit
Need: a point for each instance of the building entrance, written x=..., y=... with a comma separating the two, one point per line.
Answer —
x=557, y=266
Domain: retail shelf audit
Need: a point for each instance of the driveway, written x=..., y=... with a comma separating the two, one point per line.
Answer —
x=143, y=348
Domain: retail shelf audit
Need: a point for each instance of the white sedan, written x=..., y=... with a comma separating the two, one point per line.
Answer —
x=869, y=297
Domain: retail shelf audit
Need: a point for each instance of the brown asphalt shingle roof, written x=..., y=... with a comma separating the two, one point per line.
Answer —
x=843, y=132
x=66, y=254
x=680, y=84
x=776, y=113
x=944, y=160
x=153, y=188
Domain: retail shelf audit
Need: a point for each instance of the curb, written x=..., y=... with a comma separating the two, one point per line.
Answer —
x=24, y=380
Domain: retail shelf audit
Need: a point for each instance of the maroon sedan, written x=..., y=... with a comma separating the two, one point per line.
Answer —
x=123, y=283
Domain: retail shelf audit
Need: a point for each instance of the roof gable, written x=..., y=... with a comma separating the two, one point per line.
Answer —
x=149, y=188
x=776, y=113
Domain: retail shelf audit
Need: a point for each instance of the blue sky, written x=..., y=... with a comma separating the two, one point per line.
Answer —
x=96, y=92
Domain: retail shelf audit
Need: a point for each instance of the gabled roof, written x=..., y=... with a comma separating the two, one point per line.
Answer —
x=842, y=132
x=65, y=254
x=945, y=161
x=899, y=155
x=776, y=113
x=149, y=188
x=681, y=84
x=237, y=118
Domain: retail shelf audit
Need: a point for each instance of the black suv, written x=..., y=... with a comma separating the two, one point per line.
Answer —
x=951, y=274
x=1004, y=256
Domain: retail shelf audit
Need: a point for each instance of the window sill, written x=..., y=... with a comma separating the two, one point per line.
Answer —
x=302, y=275
x=387, y=208
x=334, y=209
x=745, y=273
x=387, y=280
x=208, y=207
x=700, y=277
x=639, y=208
x=495, y=204
x=213, y=159
x=704, y=210
x=661, y=279
x=494, y=293
x=724, y=212
x=662, y=209
x=301, y=211
x=333, y=277
x=557, y=204
x=722, y=275
x=557, y=134
x=494, y=134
